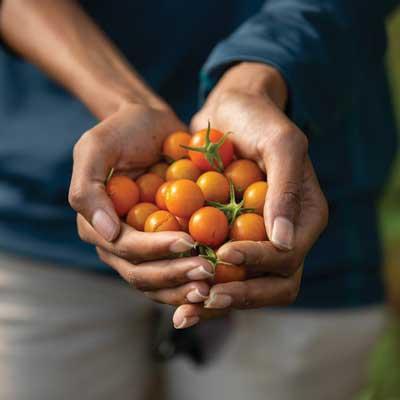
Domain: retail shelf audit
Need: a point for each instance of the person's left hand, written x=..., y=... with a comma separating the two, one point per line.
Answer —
x=248, y=101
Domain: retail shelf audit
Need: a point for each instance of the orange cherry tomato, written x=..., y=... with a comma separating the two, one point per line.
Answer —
x=161, y=221
x=243, y=173
x=182, y=169
x=225, y=273
x=124, y=193
x=148, y=185
x=172, y=145
x=248, y=227
x=184, y=223
x=160, y=169
x=254, y=197
x=160, y=196
x=214, y=186
x=209, y=226
x=225, y=152
x=183, y=198
x=137, y=216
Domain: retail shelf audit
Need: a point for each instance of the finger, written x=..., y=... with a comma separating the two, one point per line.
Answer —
x=161, y=274
x=94, y=155
x=261, y=257
x=137, y=246
x=188, y=315
x=284, y=156
x=255, y=293
x=193, y=292
x=314, y=214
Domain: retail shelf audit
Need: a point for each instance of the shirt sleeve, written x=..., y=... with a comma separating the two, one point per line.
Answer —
x=317, y=45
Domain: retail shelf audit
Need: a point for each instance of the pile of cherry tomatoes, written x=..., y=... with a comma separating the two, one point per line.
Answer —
x=201, y=188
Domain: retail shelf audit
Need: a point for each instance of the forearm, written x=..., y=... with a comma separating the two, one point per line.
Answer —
x=58, y=37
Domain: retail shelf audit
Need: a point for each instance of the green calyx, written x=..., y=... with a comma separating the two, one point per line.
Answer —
x=211, y=150
x=208, y=254
x=233, y=209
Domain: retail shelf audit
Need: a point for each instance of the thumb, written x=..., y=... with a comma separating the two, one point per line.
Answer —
x=94, y=156
x=285, y=164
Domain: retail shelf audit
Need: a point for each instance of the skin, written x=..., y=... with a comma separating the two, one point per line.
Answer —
x=133, y=123
x=248, y=100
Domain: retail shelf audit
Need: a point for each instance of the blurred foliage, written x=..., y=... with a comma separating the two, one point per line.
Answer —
x=384, y=372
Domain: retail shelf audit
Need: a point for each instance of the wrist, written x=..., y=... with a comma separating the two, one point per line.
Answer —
x=255, y=79
x=104, y=95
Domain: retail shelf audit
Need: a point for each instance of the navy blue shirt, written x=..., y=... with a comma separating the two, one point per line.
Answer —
x=331, y=54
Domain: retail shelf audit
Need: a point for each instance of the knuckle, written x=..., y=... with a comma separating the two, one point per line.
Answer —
x=290, y=292
x=76, y=196
x=137, y=281
x=246, y=299
x=288, y=136
x=171, y=277
x=102, y=255
x=124, y=252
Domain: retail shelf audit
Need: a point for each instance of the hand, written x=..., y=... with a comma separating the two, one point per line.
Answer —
x=129, y=141
x=248, y=101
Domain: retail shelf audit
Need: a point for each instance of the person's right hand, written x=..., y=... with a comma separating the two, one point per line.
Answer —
x=129, y=141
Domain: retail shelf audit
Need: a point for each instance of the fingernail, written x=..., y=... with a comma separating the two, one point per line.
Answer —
x=104, y=225
x=199, y=273
x=218, y=301
x=187, y=322
x=283, y=233
x=231, y=256
x=195, y=296
x=180, y=246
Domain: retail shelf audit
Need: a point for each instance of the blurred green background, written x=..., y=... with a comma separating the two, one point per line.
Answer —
x=384, y=370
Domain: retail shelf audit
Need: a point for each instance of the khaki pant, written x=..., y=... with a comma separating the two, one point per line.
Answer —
x=66, y=334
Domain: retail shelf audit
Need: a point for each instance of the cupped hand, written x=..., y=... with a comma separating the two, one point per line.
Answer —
x=249, y=102
x=129, y=141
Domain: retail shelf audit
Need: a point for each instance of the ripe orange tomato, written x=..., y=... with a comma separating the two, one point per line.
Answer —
x=159, y=169
x=254, y=197
x=199, y=140
x=225, y=273
x=124, y=193
x=137, y=216
x=243, y=173
x=160, y=196
x=209, y=226
x=248, y=227
x=172, y=145
x=161, y=221
x=183, y=198
x=214, y=186
x=148, y=185
x=182, y=169
x=184, y=223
